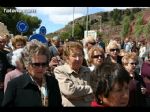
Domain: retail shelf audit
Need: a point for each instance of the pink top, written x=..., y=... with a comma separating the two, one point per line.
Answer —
x=95, y=104
x=11, y=75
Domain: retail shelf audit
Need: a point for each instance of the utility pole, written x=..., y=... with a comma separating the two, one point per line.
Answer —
x=87, y=20
x=73, y=23
x=100, y=23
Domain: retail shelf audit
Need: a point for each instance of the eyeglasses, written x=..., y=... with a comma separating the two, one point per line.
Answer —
x=133, y=63
x=93, y=43
x=39, y=64
x=112, y=50
x=97, y=56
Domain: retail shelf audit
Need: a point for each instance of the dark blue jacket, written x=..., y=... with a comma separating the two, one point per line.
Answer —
x=22, y=92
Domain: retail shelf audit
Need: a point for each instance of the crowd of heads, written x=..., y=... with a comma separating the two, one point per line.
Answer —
x=112, y=62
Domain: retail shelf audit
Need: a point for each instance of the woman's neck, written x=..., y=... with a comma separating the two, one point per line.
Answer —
x=114, y=59
x=38, y=81
x=132, y=75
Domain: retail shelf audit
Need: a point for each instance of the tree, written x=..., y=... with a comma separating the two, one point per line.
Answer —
x=146, y=30
x=65, y=35
x=125, y=26
x=116, y=16
x=33, y=23
x=79, y=31
x=138, y=30
x=11, y=19
x=131, y=16
x=105, y=16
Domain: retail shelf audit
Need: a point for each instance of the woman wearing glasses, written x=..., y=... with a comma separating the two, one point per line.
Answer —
x=113, y=51
x=35, y=87
x=96, y=57
x=136, y=85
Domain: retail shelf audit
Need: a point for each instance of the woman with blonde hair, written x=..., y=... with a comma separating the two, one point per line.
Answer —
x=96, y=57
x=17, y=42
x=113, y=51
x=136, y=85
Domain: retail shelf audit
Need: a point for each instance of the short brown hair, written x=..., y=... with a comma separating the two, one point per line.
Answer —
x=18, y=38
x=68, y=46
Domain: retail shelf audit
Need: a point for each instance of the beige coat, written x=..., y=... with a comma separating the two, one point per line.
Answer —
x=75, y=88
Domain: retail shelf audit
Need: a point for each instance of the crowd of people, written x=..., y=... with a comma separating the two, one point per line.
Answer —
x=87, y=73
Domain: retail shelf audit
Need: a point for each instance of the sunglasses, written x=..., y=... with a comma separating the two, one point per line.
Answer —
x=39, y=64
x=92, y=43
x=97, y=56
x=112, y=50
x=133, y=63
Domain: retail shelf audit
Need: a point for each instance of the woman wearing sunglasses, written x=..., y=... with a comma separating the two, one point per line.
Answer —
x=113, y=51
x=136, y=85
x=96, y=57
x=35, y=87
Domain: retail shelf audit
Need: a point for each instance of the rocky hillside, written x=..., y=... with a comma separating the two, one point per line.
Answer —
x=107, y=27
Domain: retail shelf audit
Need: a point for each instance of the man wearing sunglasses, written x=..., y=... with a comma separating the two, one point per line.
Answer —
x=35, y=88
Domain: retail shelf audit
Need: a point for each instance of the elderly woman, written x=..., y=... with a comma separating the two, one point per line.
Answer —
x=113, y=86
x=54, y=47
x=96, y=57
x=19, y=67
x=113, y=51
x=88, y=43
x=73, y=78
x=136, y=85
x=35, y=87
x=17, y=42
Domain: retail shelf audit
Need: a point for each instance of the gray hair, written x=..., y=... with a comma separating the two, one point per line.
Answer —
x=34, y=47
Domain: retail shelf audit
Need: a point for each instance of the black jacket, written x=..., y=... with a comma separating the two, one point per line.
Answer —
x=22, y=92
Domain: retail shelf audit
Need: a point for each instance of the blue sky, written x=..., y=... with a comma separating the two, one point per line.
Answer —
x=55, y=18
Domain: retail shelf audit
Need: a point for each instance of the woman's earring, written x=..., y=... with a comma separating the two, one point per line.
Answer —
x=101, y=102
